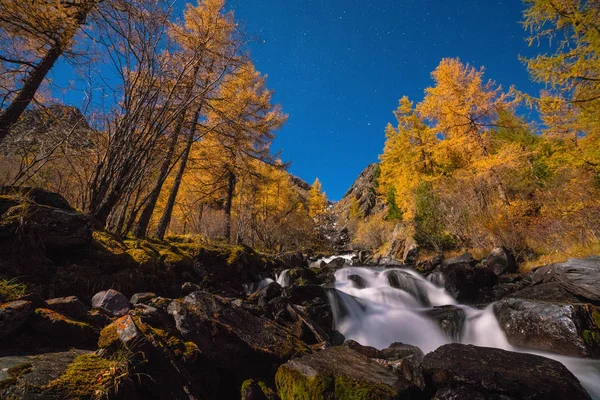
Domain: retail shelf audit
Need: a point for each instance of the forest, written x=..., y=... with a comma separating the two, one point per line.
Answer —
x=174, y=136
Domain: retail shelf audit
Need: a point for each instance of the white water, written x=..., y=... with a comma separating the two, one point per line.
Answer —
x=283, y=278
x=379, y=314
x=347, y=257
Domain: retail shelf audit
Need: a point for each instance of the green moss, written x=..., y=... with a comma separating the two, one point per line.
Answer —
x=349, y=389
x=89, y=376
x=108, y=336
x=11, y=289
x=596, y=318
x=144, y=259
x=235, y=254
x=591, y=338
x=267, y=391
x=293, y=385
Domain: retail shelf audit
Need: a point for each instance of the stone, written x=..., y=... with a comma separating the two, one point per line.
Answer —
x=367, y=351
x=61, y=328
x=70, y=306
x=39, y=196
x=142, y=298
x=13, y=315
x=501, y=261
x=403, y=280
x=189, y=287
x=463, y=280
x=498, y=374
x=568, y=329
x=340, y=373
x=231, y=337
x=115, y=303
x=401, y=351
x=450, y=319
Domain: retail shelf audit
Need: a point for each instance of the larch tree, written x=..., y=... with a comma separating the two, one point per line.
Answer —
x=317, y=199
x=33, y=36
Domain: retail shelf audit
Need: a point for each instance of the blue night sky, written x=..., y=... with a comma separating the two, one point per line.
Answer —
x=338, y=68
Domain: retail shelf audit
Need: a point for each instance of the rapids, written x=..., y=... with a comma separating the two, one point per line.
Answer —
x=377, y=307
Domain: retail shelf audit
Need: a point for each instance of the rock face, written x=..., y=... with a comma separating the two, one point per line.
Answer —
x=363, y=190
x=111, y=301
x=569, y=329
x=340, y=373
x=491, y=374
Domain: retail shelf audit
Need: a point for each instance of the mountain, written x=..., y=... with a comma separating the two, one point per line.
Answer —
x=363, y=190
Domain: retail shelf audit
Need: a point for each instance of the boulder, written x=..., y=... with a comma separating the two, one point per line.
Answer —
x=463, y=280
x=231, y=337
x=61, y=328
x=545, y=291
x=115, y=303
x=497, y=374
x=501, y=261
x=367, y=351
x=265, y=295
x=358, y=281
x=400, y=351
x=340, y=373
x=568, y=329
x=13, y=315
x=403, y=280
x=70, y=306
x=450, y=319
x=315, y=302
x=142, y=298
x=39, y=196
x=56, y=229
x=580, y=276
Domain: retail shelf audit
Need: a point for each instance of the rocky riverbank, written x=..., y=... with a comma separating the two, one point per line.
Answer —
x=103, y=317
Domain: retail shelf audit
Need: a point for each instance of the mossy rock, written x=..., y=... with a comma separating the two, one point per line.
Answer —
x=89, y=376
x=339, y=373
x=144, y=259
x=62, y=328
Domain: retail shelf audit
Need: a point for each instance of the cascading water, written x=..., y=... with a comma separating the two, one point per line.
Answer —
x=377, y=307
x=283, y=278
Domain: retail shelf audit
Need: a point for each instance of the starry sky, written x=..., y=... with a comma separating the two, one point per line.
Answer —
x=339, y=67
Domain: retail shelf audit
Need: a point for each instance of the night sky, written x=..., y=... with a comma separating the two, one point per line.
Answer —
x=339, y=67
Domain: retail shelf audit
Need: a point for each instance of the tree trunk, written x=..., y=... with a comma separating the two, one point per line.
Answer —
x=141, y=227
x=228, y=203
x=165, y=220
x=14, y=111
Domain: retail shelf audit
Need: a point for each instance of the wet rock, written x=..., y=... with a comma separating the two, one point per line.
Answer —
x=463, y=280
x=142, y=298
x=294, y=260
x=111, y=301
x=13, y=315
x=70, y=306
x=462, y=393
x=569, y=329
x=61, y=328
x=359, y=281
x=401, y=351
x=340, y=373
x=314, y=301
x=494, y=373
x=403, y=280
x=501, y=261
x=336, y=263
x=450, y=319
x=232, y=337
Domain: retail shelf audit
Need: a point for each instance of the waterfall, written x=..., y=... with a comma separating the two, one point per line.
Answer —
x=283, y=278
x=377, y=307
